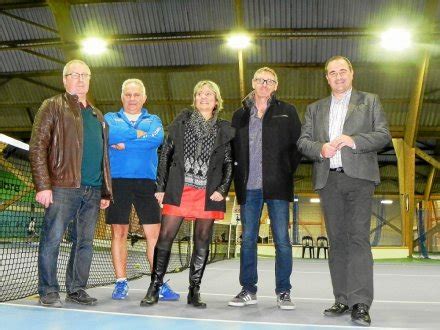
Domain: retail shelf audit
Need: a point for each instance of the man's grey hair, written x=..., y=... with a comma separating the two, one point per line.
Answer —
x=70, y=63
x=133, y=81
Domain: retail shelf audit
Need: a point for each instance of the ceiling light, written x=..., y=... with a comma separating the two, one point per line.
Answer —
x=386, y=201
x=315, y=200
x=239, y=41
x=396, y=39
x=94, y=46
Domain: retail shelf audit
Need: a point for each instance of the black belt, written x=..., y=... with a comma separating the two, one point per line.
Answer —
x=337, y=169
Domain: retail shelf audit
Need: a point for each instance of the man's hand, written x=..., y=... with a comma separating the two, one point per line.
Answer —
x=159, y=197
x=342, y=141
x=216, y=197
x=119, y=146
x=328, y=150
x=140, y=133
x=44, y=197
x=104, y=204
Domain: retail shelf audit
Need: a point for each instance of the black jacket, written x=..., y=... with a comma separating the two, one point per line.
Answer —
x=171, y=171
x=281, y=130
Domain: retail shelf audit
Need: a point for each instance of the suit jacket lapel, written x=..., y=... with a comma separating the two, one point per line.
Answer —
x=354, y=103
x=324, y=110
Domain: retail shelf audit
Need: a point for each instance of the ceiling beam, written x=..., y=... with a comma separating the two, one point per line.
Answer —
x=208, y=67
x=258, y=34
x=49, y=58
x=61, y=11
x=21, y=5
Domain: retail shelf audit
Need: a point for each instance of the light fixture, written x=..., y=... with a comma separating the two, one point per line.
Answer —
x=94, y=46
x=315, y=200
x=396, y=39
x=296, y=199
x=386, y=201
x=239, y=41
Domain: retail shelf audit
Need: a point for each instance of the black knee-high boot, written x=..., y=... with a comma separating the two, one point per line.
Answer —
x=197, y=267
x=160, y=264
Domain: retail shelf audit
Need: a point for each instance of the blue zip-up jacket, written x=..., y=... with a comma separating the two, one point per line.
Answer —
x=139, y=158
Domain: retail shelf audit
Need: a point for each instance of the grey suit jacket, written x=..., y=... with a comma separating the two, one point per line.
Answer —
x=365, y=122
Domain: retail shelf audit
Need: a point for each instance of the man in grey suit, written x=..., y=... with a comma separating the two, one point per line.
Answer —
x=342, y=134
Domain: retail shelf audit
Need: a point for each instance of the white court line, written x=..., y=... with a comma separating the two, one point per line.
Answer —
x=293, y=297
x=303, y=272
x=190, y=319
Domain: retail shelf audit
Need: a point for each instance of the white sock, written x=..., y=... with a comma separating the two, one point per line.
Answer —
x=121, y=279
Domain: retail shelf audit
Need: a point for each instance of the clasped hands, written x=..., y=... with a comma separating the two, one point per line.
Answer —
x=329, y=149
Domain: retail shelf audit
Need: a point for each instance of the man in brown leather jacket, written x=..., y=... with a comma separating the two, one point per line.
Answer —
x=70, y=168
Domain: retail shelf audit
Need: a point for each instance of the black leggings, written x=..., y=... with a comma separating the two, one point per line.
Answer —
x=170, y=226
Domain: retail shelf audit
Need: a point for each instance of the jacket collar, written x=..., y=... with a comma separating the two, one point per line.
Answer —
x=144, y=113
x=249, y=100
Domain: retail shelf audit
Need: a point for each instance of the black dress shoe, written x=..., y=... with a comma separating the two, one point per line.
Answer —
x=336, y=310
x=360, y=316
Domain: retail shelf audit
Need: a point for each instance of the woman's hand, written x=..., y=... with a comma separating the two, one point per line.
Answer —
x=159, y=197
x=216, y=196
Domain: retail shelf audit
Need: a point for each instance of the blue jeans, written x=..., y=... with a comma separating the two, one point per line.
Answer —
x=250, y=214
x=82, y=206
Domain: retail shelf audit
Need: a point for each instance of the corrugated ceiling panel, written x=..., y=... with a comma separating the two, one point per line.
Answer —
x=14, y=117
x=19, y=91
x=319, y=50
x=153, y=17
x=430, y=115
x=51, y=52
x=182, y=83
x=327, y=14
x=40, y=15
x=165, y=54
x=13, y=29
x=15, y=60
x=107, y=87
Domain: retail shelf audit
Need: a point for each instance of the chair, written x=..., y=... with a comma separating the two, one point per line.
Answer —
x=307, y=243
x=321, y=243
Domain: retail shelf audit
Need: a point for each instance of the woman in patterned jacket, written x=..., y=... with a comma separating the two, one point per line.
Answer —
x=194, y=176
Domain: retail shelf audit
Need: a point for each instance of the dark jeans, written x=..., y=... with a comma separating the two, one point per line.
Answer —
x=82, y=206
x=346, y=203
x=279, y=221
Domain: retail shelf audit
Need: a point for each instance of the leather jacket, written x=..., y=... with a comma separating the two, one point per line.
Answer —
x=55, y=149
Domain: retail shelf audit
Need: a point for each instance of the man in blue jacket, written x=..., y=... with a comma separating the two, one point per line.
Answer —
x=134, y=138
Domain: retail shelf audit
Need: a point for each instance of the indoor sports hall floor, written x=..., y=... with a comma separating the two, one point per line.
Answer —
x=406, y=296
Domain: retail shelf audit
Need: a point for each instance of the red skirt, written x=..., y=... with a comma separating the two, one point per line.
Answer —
x=192, y=206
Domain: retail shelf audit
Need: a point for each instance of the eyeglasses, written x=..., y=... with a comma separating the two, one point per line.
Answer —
x=269, y=82
x=76, y=76
x=334, y=74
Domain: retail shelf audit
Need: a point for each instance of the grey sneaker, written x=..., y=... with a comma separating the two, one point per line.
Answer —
x=51, y=300
x=244, y=298
x=284, y=301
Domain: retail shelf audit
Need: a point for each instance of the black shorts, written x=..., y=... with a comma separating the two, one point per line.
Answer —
x=137, y=192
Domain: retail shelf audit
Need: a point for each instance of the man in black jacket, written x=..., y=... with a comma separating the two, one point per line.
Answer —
x=266, y=158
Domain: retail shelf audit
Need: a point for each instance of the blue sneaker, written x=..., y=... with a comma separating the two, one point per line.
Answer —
x=167, y=294
x=121, y=290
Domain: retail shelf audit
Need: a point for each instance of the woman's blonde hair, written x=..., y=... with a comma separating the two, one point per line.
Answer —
x=212, y=86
